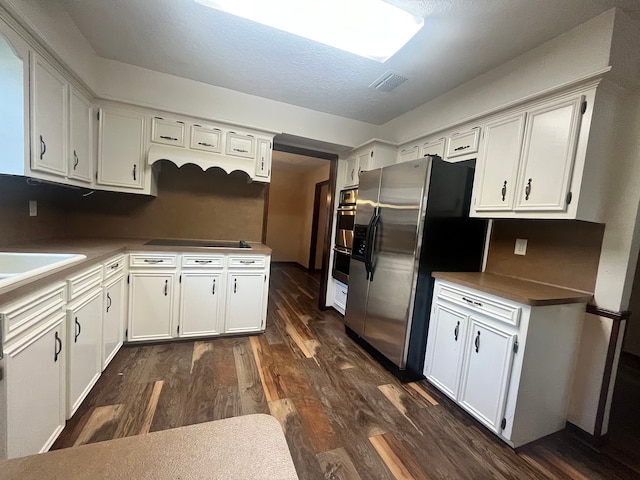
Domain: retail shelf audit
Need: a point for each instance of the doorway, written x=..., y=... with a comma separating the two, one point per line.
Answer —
x=297, y=221
x=321, y=214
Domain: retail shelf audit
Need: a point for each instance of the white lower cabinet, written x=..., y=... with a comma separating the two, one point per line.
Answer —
x=151, y=305
x=245, y=292
x=509, y=365
x=113, y=319
x=84, y=351
x=200, y=303
x=340, y=291
x=486, y=372
x=35, y=388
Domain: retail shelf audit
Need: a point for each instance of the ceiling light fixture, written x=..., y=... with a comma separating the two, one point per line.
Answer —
x=370, y=28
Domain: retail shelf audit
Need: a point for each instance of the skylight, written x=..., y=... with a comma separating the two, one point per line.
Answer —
x=370, y=28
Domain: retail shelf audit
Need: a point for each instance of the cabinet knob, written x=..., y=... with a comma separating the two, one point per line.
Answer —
x=504, y=190
x=527, y=190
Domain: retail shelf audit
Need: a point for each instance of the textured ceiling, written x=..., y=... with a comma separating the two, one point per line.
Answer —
x=461, y=39
x=291, y=162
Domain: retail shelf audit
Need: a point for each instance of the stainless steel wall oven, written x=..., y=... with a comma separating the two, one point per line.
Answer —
x=345, y=221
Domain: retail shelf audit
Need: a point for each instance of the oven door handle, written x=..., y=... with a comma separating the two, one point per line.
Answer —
x=346, y=251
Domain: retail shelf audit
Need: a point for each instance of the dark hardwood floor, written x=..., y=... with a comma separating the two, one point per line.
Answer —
x=344, y=416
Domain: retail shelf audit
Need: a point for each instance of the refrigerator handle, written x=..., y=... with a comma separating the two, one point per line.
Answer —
x=367, y=246
x=373, y=230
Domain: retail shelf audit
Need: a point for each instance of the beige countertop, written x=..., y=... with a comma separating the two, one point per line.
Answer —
x=98, y=250
x=518, y=290
x=246, y=447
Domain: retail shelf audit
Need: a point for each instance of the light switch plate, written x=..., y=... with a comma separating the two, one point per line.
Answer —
x=521, y=246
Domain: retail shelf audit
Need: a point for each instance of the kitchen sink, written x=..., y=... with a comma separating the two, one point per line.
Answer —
x=15, y=267
x=168, y=242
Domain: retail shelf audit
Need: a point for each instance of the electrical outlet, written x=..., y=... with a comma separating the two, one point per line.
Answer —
x=521, y=246
x=33, y=208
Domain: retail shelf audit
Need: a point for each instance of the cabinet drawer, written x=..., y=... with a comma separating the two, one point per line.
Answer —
x=208, y=139
x=505, y=312
x=160, y=260
x=434, y=148
x=202, y=261
x=19, y=316
x=247, y=261
x=84, y=281
x=114, y=266
x=167, y=131
x=240, y=145
x=463, y=143
x=340, y=295
x=408, y=153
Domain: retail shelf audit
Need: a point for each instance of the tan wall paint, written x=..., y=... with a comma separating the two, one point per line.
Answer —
x=290, y=217
x=190, y=204
x=319, y=175
x=563, y=253
x=286, y=215
x=16, y=226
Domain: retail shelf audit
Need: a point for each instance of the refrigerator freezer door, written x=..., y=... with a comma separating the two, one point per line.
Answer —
x=395, y=258
x=356, y=310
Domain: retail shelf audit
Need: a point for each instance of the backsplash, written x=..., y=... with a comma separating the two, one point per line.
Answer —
x=559, y=252
x=190, y=204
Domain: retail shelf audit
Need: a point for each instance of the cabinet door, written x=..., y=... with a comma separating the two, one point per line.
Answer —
x=84, y=340
x=241, y=145
x=200, y=303
x=121, y=148
x=434, y=148
x=408, y=153
x=48, y=118
x=36, y=390
x=547, y=160
x=208, y=139
x=168, y=131
x=245, y=292
x=263, y=165
x=80, y=147
x=486, y=372
x=113, y=319
x=352, y=172
x=151, y=306
x=443, y=360
x=496, y=177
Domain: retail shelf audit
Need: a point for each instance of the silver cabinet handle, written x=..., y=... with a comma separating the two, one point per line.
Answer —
x=240, y=150
x=472, y=302
x=461, y=148
x=205, y=144
x=456, y=331
x=477, y=342
x=134, y=172
x=204, y=261
x=247, y=262
x=114, y=266
x=173, y=139
x=58, y=347
x=108, y=302
x=153, y=260
x=76, y=160
x=213, y=289
x=504, y=190
x=235, y=285
x=166, y=287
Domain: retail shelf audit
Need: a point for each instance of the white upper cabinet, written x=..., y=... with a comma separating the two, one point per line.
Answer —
x=352, y=172
x=80, y=138
x=408, y=153
x=263, y=164
x=463, y=145
x=433, y=148
x=168, y=131
x=121, y=161
x=547, y=156
x=496, y=176
x=48, y=118
x=241, y=145
x=207, y=139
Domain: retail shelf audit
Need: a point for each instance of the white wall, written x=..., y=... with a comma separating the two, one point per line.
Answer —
x=579, y=52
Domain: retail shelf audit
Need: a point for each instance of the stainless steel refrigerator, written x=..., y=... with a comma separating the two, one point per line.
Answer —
x=411, y=219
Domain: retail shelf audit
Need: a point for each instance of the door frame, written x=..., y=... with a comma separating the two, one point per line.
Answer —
x=313, y=248
x=333, y=175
